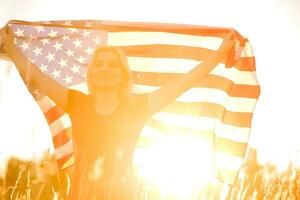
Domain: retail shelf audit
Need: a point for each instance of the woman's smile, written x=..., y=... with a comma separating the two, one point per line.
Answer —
x=106, y=73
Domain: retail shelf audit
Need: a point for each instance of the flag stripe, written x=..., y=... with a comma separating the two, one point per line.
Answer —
x=233, y=133
x=62, y=163
x=230, y=147
x=138, y=38
x=207, y=109
x=234, y=104
x=64, y=150
x=182, y=66
x=211, y=81
x=53, y=114
x=228, y=176
x=59, y=125
x=182, y=52
x=228, y=162
x=45, y=104
x=179, y=130
x=61, y=138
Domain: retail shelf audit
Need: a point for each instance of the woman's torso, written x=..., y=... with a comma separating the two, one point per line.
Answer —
x=104, y=146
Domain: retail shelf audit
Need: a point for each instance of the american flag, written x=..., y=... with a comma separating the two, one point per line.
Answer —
x=218, y=108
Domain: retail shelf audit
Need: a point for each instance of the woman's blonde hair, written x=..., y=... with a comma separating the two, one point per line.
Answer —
x=126, y=85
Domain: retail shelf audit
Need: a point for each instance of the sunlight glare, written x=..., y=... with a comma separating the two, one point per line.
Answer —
x=177, y=165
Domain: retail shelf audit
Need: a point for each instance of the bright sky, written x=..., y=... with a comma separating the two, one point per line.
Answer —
x=273, y=28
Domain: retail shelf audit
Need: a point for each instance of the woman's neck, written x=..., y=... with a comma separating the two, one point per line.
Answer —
x=106, y=101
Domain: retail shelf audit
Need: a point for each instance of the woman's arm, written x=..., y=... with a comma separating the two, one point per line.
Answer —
x=31, y=74
x=158, y=99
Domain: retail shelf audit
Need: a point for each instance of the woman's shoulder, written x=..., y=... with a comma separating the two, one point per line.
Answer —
x=77, y=94
x=76, y=99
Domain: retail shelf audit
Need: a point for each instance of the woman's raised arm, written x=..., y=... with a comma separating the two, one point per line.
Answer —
x=158, y=99
x=31, y=74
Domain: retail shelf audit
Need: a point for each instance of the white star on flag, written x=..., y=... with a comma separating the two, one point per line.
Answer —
x=45, y=41
x=97, y=41
x=50, y=57
x=77, y=43
x=44, y=68
x=19, y=32
x=57, y=46
x=86, y=33
x=89, y=51
x=68, y=79
x=81, y=59
x=70, y=53
x=56, y=73
x=75, y=69
x=37, y=51
x=66, y=37
x=63, y=63
x=52, y=34
x=25, y=45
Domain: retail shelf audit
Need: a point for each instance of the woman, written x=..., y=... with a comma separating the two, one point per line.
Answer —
x=107, y=122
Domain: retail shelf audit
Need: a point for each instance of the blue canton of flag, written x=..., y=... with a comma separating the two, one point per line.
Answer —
x=61, y=53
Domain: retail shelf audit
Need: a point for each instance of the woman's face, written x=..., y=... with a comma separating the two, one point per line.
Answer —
x=106, y=73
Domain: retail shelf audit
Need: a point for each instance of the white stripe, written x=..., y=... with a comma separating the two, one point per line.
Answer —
x=60, y=124
x=69, y=162
x=200, y=123
x=235, y=75
x=144, y=38
x=175, y=65
x=151, y=132
x=82, y=87
x=227, y=161
x=233, y=133
x=45, y=104
x=64, y=150
x=247, y=51
x=167, y=65
x=212, y=95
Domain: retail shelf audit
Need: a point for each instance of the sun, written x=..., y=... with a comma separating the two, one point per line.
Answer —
x=178, y=166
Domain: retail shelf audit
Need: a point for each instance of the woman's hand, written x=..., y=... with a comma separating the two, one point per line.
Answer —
x=227, y=45
x=3, y=54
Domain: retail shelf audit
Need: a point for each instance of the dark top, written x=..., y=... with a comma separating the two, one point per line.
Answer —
x=104, y=146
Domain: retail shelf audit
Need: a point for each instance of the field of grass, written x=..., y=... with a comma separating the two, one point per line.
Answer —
x=24, y=180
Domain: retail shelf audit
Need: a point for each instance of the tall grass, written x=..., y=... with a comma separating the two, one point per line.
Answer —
x=24, y=180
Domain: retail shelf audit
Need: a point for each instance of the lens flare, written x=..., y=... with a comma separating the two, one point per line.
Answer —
x=178, y=166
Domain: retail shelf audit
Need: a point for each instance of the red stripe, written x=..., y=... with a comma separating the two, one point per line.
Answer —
x=246, y=64
x=61, y=138
x=53, y=114
x=122, y=26
x=211, y=81
x=63, y=160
